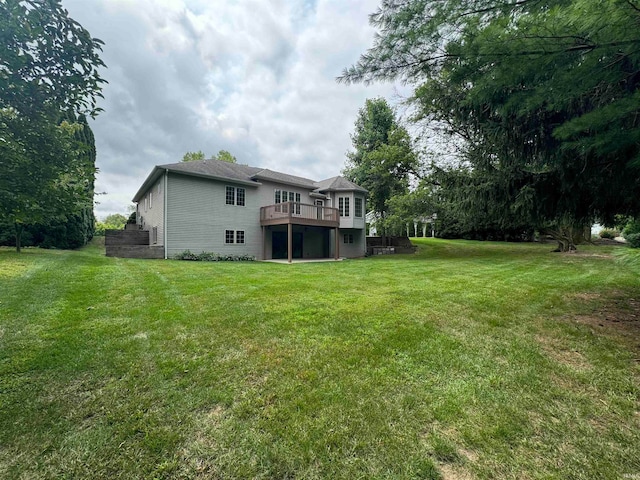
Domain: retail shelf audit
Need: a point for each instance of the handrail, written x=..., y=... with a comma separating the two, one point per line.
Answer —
x=302, y=211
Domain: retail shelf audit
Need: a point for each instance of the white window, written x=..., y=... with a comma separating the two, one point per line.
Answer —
x=235, y=196
x=151, y=199
x=343, y=206
x=283, y=196
x=358, y=207
x=233, y=236
x=154, y=235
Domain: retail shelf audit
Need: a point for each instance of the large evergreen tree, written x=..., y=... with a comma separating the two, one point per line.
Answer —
x=543, y=94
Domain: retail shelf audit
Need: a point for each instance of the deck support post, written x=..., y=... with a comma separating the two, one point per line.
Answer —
x=289, y=241
x=337, y=249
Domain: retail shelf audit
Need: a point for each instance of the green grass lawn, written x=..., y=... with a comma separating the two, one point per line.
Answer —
x=466, y=360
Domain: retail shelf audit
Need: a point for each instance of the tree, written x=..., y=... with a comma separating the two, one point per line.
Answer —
x=225, y=156
x=193, y=156
x=49, y=75
x=45, y=175
x=383, y=156
x=115, y=221
x=544, y=94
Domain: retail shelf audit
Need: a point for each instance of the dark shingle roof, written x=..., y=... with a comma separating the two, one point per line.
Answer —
x=284, y=178
x=337, y=184
x=214, y=168
x=244, y=174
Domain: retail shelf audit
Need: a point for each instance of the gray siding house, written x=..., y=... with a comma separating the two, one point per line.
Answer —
x=226, y=208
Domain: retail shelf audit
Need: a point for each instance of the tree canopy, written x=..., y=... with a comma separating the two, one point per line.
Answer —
x=50, y=63
x=49, y=78
x=383, y=156
x=542, y=95
x=223, y=156
x=193, y=156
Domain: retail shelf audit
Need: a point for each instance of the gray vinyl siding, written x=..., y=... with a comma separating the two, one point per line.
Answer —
x=153, y=215
x=198, y=217
x=355, y=249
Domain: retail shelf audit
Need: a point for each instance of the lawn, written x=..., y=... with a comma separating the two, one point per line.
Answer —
x=466, y=360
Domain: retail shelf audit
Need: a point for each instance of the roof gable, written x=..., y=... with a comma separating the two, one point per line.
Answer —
x=338, y=183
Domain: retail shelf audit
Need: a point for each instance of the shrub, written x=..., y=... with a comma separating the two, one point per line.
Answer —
x=631, y=233
x=633, y=239
x=633, y=226
x=185, y=255
x=608, y=233
x=212, y=257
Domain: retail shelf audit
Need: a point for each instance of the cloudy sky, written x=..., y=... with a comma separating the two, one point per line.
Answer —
x=254, y=77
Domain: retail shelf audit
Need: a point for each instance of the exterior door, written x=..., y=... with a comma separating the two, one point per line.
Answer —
x=320, y=210
x=296, y=250
x=278, y=245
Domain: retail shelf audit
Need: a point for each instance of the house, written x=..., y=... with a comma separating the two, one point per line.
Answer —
x=226, y=208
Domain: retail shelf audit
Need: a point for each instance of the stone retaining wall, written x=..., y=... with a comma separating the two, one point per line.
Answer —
x=399, y=244
x=131, y=244
x=126, y=237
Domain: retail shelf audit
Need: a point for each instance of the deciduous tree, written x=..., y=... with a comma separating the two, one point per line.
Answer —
x=48, y=75
x=193, y=156
x=383, y=157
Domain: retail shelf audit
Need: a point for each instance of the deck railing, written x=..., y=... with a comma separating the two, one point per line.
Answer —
x=299, y=213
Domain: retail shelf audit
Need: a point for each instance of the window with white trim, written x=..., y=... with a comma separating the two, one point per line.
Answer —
x=284, y=196
x=233, y=236
x=348, y=238
x=343, y=206
x=154, y=235
x=357, y=207
x=151, y=199
x=235, y=196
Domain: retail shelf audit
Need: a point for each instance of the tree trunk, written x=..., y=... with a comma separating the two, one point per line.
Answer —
x=19, y=227
x=564, y=235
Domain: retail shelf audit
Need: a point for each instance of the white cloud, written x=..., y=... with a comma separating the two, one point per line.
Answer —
x=252, y=77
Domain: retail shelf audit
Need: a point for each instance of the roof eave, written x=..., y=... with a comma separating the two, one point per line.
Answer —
x=149, y=181
x=158, y=170
x=284, y=182
x=217, y=177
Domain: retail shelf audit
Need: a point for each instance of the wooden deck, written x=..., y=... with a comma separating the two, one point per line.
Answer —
x=294, y=213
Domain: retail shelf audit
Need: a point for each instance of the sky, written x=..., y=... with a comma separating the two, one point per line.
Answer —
x=254, y=77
